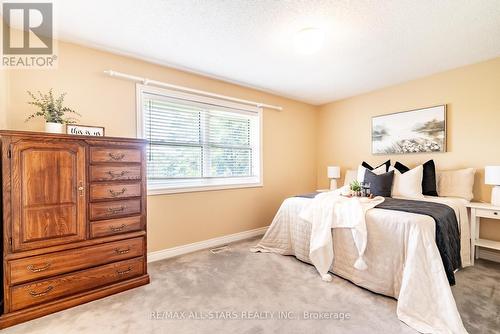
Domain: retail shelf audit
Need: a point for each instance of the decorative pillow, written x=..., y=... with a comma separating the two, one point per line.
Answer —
x=400, y=167
x=409, y=184
x=350, y=176
x=367, y=165
x=378, y=170
x=429, y=184
x=380, y=185
x=456, y=183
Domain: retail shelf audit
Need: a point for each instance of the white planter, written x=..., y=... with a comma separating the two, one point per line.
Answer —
x=54, y=127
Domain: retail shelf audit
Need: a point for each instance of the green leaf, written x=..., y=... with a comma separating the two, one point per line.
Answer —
x=51, y=109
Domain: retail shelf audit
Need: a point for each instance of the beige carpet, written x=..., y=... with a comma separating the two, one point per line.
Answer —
x=243, y=292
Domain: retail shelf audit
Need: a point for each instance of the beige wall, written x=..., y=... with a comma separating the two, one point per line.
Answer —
x=289, y=141
x=472, y=95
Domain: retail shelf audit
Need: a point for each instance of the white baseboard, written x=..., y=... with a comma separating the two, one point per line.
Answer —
x=488, y=254
x=210, y=243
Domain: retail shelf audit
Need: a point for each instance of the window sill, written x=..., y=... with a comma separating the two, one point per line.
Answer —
x=158, y=190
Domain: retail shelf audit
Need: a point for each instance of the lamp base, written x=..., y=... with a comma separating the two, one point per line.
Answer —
x=495, y=196
x=333, y=184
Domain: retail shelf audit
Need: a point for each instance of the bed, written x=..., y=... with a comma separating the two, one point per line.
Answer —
x=401, y=254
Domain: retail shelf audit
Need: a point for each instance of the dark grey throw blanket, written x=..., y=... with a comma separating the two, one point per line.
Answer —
x=447, y=231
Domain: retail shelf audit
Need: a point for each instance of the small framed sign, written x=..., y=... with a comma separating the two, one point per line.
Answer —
x=85, y=130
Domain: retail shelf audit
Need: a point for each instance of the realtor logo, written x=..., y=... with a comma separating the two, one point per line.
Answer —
x=27, y=37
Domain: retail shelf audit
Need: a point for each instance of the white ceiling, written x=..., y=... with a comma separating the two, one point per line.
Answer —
x=369, y=44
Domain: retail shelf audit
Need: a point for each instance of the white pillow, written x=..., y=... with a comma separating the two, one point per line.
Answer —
x=382, y=169
x=408, y=184
x=456, y=183
x=350, y=175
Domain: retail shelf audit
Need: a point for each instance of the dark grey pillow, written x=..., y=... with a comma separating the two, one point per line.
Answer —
x=380, y=185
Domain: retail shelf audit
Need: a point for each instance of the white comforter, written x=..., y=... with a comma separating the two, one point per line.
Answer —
x=401, y=254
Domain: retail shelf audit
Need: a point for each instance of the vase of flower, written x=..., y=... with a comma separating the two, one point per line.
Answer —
x=52, y=110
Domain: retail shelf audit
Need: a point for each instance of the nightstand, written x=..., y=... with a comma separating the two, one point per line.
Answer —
x=478, y=211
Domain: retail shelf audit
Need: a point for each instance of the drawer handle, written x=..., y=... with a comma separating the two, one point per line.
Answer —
x=117, y=193
x=114, y=175
x=116, y=210
x=117, y=228
x=124, y=272
x=122, y=251
x=35, y=294
x=35, y=269
x=116, y=157
x=495, y=213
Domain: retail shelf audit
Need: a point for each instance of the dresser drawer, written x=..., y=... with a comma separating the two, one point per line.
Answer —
x=105, y=154
x=42, y=291
x=115, y=173
x=105, y=228
x=41, y=266
x=112, y=191
x=104, y=210
x=488, y=213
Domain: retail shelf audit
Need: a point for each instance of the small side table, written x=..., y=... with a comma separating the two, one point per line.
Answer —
x=478, y=211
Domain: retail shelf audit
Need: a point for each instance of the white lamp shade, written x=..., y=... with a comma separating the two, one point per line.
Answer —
x=333, y=172
x=492, y=175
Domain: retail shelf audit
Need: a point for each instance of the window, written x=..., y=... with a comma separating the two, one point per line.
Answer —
x=198, y=143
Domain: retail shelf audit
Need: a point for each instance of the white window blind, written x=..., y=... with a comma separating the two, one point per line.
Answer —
x=197, y=142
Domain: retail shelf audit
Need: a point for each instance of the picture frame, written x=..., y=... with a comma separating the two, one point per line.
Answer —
x=414, y=131
x=85, y=130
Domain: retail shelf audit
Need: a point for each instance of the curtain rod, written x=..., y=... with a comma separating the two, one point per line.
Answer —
x=146, y=81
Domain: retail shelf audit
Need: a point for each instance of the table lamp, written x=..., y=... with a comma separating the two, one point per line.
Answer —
x=492, y=177
x=333, y=175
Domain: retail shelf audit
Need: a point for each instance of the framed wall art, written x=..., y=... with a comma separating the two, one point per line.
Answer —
x=414, y=131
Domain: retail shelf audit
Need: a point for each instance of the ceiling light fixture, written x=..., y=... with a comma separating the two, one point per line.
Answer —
x=309, y=40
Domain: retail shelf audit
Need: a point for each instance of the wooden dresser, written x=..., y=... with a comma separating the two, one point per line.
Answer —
x=74, y=221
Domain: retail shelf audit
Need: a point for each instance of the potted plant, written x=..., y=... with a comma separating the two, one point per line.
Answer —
x=355, y=187
x=52, y=110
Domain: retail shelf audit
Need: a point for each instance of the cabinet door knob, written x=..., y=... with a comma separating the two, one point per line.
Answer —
x=81, y=188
